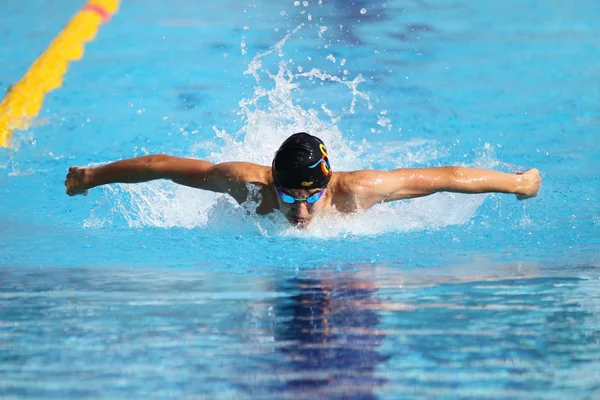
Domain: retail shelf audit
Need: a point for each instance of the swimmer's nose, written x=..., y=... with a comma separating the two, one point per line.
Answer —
x=301, y=205
x=300, y=208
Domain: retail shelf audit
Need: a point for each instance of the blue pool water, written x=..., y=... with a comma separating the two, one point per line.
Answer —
x=159, y=291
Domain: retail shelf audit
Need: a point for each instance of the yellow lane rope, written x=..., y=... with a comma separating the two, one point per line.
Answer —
x=24, y=100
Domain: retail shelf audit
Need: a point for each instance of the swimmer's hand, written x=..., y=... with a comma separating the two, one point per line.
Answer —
x=529, y=184
x=78, y=181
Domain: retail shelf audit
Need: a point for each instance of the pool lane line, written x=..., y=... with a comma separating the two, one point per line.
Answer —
x=23, y=101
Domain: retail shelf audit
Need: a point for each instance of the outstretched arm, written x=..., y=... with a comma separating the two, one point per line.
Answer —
x=229, y=177
x=378, y=186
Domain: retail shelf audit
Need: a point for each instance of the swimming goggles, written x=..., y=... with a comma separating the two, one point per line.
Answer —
x=312, y=199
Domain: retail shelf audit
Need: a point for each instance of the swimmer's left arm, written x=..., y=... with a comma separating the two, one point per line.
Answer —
x=408, y=183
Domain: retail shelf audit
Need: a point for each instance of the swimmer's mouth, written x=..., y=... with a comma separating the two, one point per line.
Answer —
x=298, y=222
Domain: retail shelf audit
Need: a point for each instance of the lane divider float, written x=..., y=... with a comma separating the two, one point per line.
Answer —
x=24, y=99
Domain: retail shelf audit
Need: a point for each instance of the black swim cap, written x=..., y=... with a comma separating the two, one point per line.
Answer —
x=301, y=163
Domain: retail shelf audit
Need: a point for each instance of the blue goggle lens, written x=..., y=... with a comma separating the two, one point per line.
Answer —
x=291, y=199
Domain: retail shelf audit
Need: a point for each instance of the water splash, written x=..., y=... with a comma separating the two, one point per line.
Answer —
x=269, y=116
x=158, y=203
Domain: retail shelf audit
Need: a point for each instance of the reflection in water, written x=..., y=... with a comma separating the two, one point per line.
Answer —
x=469, y=331
x=328, y=330
x=345, y=20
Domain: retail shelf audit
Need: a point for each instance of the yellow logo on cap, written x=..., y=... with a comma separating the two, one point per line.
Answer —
x=306, y=183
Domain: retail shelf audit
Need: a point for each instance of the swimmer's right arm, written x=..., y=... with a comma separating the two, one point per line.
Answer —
x=229, y=177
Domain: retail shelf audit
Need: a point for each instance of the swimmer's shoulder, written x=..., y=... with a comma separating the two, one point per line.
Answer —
x=354, y=181
x=247, y=172
x=348, y=190
x=354, y=190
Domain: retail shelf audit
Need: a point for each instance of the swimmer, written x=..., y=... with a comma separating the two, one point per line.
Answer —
x=300, y=182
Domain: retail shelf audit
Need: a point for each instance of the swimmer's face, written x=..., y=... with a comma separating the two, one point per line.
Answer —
x=301, y=213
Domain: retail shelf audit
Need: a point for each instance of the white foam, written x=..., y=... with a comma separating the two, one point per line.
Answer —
x=433, y=212
x=158, y=203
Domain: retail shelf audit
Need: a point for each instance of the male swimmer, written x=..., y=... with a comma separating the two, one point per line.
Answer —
x=301, y=184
